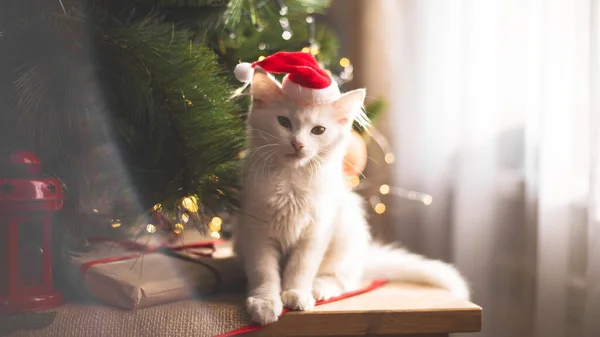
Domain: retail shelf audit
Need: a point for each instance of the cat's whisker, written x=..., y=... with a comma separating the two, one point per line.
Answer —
x=262, y=133
x=255, y=151
x=258, y=160
x=266, y=161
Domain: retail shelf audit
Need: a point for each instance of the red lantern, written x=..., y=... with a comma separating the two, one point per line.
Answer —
x=26, y=206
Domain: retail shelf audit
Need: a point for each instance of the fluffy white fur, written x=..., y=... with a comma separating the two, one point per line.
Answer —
x=303, y=234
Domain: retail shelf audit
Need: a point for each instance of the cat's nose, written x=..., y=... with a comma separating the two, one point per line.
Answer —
x=297, y=146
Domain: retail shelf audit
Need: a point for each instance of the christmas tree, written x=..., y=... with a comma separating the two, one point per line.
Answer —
x=130, y=103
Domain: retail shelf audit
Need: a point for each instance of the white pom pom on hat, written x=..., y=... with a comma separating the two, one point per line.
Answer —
x=305, y=81
x=243, y=72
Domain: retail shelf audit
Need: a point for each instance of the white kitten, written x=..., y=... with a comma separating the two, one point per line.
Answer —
x=303, y=234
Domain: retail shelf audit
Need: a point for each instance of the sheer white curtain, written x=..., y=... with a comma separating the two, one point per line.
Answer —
x=494, y=110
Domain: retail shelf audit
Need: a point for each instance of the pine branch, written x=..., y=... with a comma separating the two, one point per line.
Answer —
x=171, y=103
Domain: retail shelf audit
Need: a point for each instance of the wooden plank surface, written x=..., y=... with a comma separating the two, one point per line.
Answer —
x=394, y=310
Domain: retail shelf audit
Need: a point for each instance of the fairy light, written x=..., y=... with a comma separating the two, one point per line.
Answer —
x=306, y=50
x=384, y=189
x=178, y=228
x=379, y=208
x=115, y=223
x=185, y=218
x=215, y=235
x=353, y=181
x=260, y=58
x=215, y=224
x=389, y=158
x=217, y=221
x=344, y=62
x=285, y=26
x=190, y=204
x=150, y=228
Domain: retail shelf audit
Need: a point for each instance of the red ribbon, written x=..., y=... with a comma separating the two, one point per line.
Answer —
x=141, y=248
x=254, y=327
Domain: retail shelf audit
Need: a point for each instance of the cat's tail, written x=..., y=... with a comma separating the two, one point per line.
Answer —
x=397, y=264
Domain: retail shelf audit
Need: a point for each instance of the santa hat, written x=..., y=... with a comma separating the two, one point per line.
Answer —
x=305, y=81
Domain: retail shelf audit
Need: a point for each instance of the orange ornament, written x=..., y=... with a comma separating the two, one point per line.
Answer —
x=355, y=159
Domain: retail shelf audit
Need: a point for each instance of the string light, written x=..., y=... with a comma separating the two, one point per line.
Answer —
x=215, y=235
x=353, y=181
x=215, y=224
x=344, y=62
x=285, y=26
x=379, y=208
x=150, y=228
x=115, y=223
x=178, y=228
x=384, y=189
x=185, y=218
x=190, y=204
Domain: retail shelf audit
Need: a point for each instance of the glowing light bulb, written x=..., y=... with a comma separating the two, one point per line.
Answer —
x=344, y=62
x=353, y=181
x=150, y=228
x=427, y=200
x=306, y=50
x=215, y=235
x=217, y=221
x=384, y=189
x=315, y=50
x=178, y=228
x=157, y=208
x=260, y=58
x=389, y=158
x=286, y=35
x=116, y=223
x=379, y=208
x=190, y=204
x=215, y=224
x=95, y=211
x=185, y=218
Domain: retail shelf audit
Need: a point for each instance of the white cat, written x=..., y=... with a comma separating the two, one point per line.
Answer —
x=303, y=234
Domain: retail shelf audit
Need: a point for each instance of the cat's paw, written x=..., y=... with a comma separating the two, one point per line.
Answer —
x=296, y=299
x=264, y=309
x=326, y=287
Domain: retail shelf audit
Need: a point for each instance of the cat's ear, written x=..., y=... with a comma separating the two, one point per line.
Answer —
x=349, y=106
x=264, y=88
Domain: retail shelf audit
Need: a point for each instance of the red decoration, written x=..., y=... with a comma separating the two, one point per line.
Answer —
x=26, y=206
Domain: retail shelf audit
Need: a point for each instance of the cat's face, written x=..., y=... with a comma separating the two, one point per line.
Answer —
x=296, y=134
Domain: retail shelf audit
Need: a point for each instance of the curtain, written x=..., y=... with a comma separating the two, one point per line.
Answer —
x=494, y=110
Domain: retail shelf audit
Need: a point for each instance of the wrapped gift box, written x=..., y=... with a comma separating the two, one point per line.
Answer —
x=137, y=274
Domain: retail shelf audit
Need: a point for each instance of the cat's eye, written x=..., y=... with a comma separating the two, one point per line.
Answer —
x=285, y=122
x=317, y=130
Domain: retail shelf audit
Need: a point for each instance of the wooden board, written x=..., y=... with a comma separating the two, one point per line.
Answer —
x=396, y=309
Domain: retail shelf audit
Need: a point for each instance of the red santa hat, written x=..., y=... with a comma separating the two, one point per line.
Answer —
x=305, y=81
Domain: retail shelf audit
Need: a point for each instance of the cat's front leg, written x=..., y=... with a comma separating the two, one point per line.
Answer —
x=261, y=262
x=300, y=271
